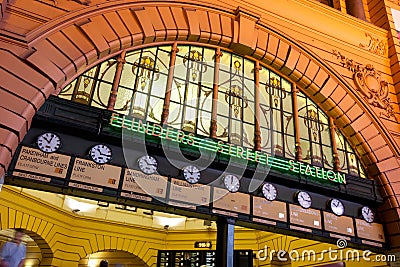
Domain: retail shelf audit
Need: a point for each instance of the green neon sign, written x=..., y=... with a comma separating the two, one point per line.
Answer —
x=179, y=136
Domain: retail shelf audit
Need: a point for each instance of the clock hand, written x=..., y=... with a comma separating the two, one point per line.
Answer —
x=47, y=140
x=150, y=163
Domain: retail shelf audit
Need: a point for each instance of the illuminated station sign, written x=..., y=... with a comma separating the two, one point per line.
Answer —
x=281, y=164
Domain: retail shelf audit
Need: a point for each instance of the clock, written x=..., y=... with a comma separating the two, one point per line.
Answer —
x=269, y=191
x=232, y=183
x=336, y=206
x=147, y=164
x=49, y=142
x=191, y=174
x=367, y=214
x=304, y=199
x=100, y=154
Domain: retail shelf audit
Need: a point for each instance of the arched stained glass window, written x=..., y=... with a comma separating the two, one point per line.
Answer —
x=218, y=95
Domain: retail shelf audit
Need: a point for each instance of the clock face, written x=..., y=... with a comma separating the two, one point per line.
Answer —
x=337, y=207
x=269, y=191
x=304, y=199
x=367, y=214
x=49, y=142
x=147, y=164
x=100, y=154
x=191, y=174
x=232, y=183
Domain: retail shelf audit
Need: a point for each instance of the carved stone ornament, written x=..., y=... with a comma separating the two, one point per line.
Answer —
x=374, y=45
x=369, y=83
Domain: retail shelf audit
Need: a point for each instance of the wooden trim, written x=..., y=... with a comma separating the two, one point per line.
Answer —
x=257, y=130
x=167, y=100
x=296, y=123
x=336, y=161
x=114, y=91
x=213, y=126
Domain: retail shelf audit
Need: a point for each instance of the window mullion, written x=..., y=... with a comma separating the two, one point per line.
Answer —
x=117, y=77
x=336, y=161
x=167, y=100
x=257, y=132
x=296, y=123
x=213, y=127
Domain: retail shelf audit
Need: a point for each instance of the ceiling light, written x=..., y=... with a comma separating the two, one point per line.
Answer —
x=130, y=208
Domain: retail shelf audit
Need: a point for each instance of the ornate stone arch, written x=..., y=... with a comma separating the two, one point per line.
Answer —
x=66, y=46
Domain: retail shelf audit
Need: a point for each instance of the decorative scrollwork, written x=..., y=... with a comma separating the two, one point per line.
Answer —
x=147, y=67
x=374, y=45
x=369, y=83
x=194, y=62
x=274, y=89
x=234, y=98
x=313, y=123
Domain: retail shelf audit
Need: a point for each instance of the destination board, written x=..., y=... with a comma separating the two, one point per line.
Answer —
x=233, y=202
x=371, y=231
x=35, y=161
x=338, y=224
x=274, y=210
x=196, y=194
x=137, y=182
x=92, y=173
x=305, y=217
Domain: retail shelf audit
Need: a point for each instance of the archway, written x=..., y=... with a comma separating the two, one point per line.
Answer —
x=38, y=252
x=68, y=49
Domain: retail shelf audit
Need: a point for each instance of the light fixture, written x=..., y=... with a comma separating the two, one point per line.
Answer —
x=120, y=207
x=83, y=205
x=170, y=221
x=148, y=212
x=130, y=208
x=103, y=204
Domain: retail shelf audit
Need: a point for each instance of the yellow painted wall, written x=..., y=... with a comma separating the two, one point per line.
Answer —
x=68, y=239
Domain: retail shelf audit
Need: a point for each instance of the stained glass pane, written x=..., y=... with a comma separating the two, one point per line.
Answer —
x=155, y=109
x=139, y=105
x=290, y=147
x=222, y=128
x=159, y=86
x=123, y=102
x=85, y=87
x=204, y=123
x=68, y=91
x=175, y=115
